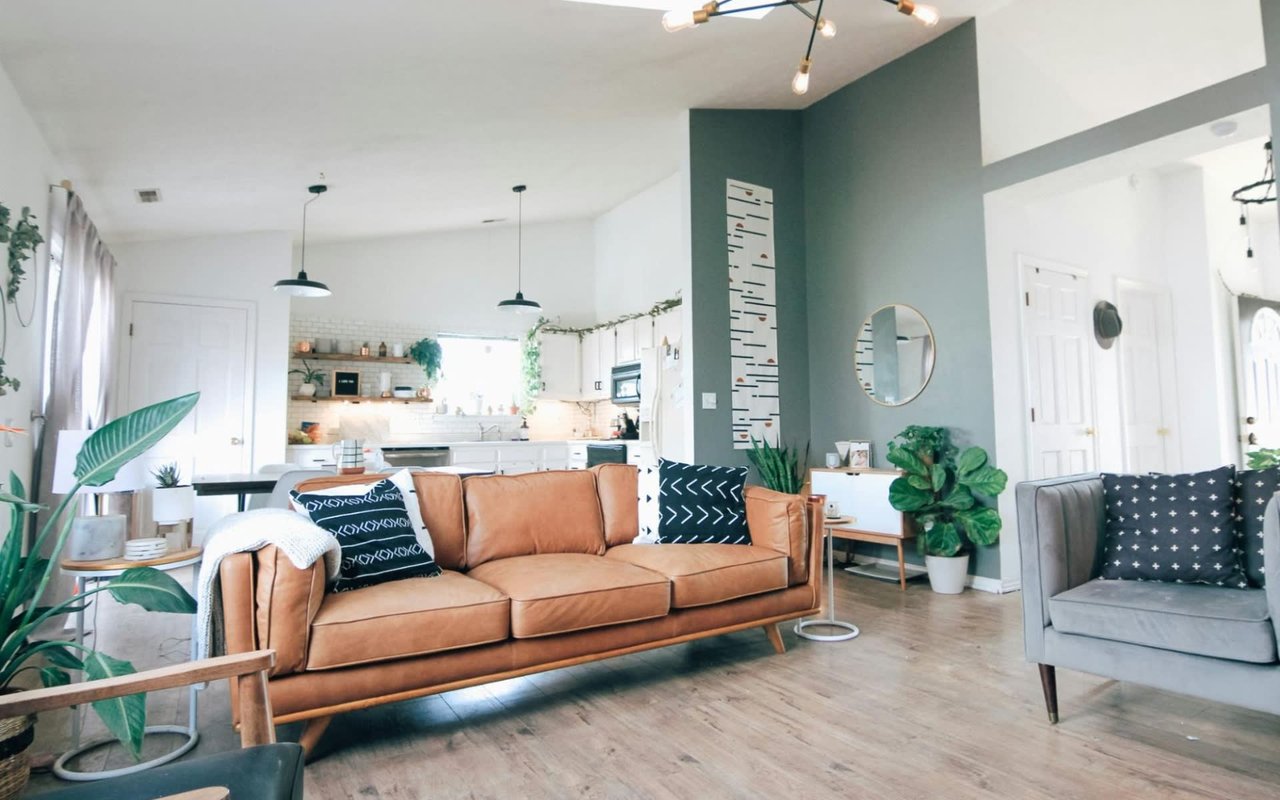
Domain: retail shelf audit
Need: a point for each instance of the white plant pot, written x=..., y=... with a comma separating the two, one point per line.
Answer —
x=176, y=504
x=947, y=573
x=307, y=390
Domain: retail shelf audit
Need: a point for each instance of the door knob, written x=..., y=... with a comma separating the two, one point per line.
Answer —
x=237, y=440
x=1088, y=431
x=1250, y=420
x=1253, y=438
x=1162, y=431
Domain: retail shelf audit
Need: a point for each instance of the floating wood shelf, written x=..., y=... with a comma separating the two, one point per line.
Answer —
x=351, y=357
x=332, y=399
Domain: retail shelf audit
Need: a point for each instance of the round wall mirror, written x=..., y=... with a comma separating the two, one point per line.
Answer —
x=894, y=355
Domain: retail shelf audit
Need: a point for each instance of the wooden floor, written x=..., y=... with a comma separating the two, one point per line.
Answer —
x=933, y=700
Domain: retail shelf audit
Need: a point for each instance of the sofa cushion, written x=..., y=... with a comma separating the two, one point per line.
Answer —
x=701, y=504
x=1254, y=489
x=702, y=574
x=524, y=515
x=618, y=484
x=406, y=618
x=1187, y=618
x=561, y=592
x=1175, y=528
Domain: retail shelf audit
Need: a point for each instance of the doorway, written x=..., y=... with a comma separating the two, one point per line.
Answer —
x=1148, y=386
x=1259, y=337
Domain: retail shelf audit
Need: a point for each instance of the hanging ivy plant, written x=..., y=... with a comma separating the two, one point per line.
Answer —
x=531, y=368
x=7, y=382
x=24, y=238
x=426, y=353
x=658, y=309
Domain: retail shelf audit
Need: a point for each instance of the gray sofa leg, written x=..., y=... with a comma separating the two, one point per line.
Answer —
x=1049, y=682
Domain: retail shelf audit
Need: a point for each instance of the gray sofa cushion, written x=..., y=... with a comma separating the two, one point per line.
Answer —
x=1202, y=620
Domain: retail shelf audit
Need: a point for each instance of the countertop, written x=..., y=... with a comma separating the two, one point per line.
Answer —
x=486, y=443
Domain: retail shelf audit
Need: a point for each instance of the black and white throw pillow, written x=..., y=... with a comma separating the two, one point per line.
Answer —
x=377, y=537
x=1174, y=528
x=647, y=503
x=701, y=504
x=1254, y=489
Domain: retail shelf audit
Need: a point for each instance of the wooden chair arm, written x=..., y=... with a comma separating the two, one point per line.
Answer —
x=250, y=670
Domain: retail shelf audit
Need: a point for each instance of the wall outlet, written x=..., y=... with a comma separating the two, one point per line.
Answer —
x=708, y=401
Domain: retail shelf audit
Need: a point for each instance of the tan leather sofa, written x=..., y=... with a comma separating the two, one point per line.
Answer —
x=539, y=573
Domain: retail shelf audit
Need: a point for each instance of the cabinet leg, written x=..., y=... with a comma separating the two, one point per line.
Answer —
x=1049, y=682
x=775, y=638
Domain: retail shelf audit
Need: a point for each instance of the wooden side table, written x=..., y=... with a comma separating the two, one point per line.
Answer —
x=85, y=572
x=849, y=532
x=850, y=630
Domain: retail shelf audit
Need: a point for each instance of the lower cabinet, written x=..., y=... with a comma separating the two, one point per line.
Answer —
x=515, y=459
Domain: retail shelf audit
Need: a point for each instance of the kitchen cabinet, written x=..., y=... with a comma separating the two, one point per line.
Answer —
x=310, y=456
x=597, y=361
x=670, y=326
x=625, y=344
x=644, y=334
x=561, y=366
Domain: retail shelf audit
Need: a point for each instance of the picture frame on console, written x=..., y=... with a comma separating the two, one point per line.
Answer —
x=860, y=454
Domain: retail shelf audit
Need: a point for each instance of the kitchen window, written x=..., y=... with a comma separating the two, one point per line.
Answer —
x=478, y=373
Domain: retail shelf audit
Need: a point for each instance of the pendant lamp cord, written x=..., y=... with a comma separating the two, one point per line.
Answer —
x=302, y=265
x=813, y=32
x=520, y=242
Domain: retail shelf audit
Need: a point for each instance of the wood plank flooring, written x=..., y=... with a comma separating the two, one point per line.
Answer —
x=933, y=700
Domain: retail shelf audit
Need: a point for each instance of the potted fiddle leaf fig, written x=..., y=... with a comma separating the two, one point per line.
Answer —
x=25, y=574
x=942, y=491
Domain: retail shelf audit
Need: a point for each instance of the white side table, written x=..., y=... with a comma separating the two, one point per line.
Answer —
x=849, y=630
x=85, y=572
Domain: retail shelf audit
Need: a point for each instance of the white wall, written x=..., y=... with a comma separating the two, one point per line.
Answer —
x=27, y=167
x=640, y=258
x=1151, y=228
x=452, y=282
x=241, y=267
x=1051, y=68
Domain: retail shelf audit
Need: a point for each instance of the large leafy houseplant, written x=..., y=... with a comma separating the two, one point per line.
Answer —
x=781, y=468
x=426, y=353
x=942, y=491
x=25, y=576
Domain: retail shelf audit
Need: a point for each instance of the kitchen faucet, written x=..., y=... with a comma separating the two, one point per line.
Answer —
x=487, y=428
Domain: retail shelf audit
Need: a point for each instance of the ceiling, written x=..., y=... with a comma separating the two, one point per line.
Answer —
x=421, y=115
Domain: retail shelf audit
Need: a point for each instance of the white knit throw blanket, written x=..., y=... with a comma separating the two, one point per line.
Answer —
x=299, y=538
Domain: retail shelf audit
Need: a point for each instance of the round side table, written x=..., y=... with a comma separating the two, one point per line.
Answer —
x=847, y=629
x=84, y=572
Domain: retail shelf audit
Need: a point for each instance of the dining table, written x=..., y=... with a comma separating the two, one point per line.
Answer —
x=240, y=484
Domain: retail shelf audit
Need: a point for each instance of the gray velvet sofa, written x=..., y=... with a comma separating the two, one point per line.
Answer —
x=1207, y=641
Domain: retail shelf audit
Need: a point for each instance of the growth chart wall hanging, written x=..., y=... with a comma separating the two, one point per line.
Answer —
x=753, y=323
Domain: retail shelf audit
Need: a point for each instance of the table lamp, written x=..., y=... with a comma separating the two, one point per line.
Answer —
x=98, y=536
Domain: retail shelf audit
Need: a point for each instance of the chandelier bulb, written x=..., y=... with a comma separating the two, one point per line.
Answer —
x=673, y=21
x=927, y=15
x=800, y=83
x=827, y=28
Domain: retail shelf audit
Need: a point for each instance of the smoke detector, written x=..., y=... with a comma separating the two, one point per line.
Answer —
x=148, y=195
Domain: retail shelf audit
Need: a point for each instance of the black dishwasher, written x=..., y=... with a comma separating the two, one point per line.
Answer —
x=606, y=454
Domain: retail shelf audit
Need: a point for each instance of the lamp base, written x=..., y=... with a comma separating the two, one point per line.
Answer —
x=96, y=538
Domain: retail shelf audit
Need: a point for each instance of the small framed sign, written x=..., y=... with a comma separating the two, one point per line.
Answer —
x=346, y=383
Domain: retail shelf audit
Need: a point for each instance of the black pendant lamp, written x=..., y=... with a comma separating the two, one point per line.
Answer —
x=519, y=304
x=302, y=286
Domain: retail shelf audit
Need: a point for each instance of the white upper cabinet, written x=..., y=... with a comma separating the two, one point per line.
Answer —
x=625, y=347
x=561, y=367
x=644, y=334
x=668, y=326
x=597, y=359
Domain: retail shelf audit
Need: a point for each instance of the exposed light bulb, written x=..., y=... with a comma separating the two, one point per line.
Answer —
x=927, y=14
x=674, y=21
x=800, y=83
x=827, y=28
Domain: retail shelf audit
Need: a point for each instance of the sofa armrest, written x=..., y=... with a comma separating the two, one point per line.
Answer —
x=269, y=603
x=779, y=521
x=1060, y=533
x=1271, y=560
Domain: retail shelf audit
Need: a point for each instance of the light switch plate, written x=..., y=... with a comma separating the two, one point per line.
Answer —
x=709, y=401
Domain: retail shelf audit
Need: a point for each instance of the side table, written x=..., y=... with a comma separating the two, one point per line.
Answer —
x=850, y=630
x=85, y=572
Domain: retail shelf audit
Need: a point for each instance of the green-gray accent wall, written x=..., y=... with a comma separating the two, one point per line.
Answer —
x=894, y=214
x=760, y=147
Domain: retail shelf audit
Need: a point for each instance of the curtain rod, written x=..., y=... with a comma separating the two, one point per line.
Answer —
x=65, y=184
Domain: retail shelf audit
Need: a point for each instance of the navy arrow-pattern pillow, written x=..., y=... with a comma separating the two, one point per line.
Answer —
x=378, y=541
x=701, y=505
x=1254, y=489
x=1173, y=528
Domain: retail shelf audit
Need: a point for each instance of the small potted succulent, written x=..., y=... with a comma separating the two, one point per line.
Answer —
x=940, y=492
x=311, y=380
x=171, y=502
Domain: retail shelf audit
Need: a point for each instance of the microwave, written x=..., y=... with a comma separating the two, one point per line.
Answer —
x=625, y=384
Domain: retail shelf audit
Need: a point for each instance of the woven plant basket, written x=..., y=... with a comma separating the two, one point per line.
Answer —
x=16, y=734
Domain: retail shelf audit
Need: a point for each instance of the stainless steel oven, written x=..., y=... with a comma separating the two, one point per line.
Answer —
x=625, y=384
x=411, y=456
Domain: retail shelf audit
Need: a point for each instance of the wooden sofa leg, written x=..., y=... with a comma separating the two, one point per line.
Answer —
x=312, y=730
x=1049, y=682
x=775, y=638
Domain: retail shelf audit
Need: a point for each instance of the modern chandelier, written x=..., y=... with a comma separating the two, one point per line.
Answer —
x=1257, y=193
x=302, y=286
x=680, y=20
x=519, y=304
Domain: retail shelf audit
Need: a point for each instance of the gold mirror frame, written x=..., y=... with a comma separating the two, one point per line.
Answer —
x=933, y=364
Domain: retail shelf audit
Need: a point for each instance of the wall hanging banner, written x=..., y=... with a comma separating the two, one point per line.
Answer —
x=753, y=324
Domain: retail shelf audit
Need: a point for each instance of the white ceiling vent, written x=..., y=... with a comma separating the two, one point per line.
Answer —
x=148, y=195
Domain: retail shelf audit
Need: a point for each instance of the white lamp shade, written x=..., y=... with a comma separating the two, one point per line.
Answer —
x=175, y=504
x=128, y=478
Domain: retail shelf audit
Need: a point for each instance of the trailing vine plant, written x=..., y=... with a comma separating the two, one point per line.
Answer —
x=658, y=309
x=531, y=367
x=22, y=238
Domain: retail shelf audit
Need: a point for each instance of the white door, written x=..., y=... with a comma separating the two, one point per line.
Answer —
x=1056, y=334
x=1148, y=390
x=176, y=348
x=1260, y=358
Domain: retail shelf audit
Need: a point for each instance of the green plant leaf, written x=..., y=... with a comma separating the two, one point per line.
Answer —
x=959, y=498
x=120, y=441
x=971, y=460
x=942, y=539
x=981, y=524
x=59, y=657
x=907, y=461
x=152, y=589
x=938, y=478
x=907, y=498
x=920, y=482
x=52, y=676
x=987, y=481
x=125, y=717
